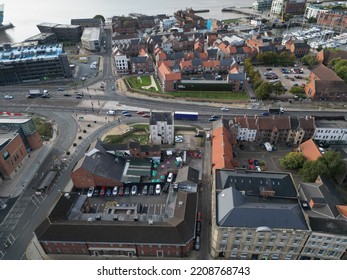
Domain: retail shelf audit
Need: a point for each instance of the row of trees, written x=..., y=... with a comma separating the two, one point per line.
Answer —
x=273, y=58
x=328, y=165
x=263, y=89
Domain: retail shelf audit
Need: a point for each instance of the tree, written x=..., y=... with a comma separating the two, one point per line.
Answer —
x=312, y=169
x=297, y=90
x=329, y=164
x=263, y=91
x=293, y=160
x=309, y=60
x=100, y=17
x=278, y=88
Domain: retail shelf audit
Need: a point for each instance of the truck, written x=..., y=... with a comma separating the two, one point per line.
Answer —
x=189, y=116
x=276, y=110
x=34, y=93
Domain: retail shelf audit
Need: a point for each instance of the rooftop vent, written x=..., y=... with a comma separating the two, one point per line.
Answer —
x=150, y=221
x=266, y=191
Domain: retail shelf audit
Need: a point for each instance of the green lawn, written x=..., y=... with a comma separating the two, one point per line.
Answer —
x=139, y=133
x=212, y=95
x=139, y=82
x=228, y=21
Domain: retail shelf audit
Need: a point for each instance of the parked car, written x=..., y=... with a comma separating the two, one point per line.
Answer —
x=126, y=191
x=134, y=190
x=151, y=190
x=250, y=161
x=198, y=228
x=8, y=96
x=115, y=191
x=242, y=147
x=212, y=119
x=157, y=189
x=169, y=177
x=265, y=113
x=199, y=216
x=256, y=162
x=96, y=192
x=108, y=192
x=102, y=191
x=197, y=243
x=121, y=191
x=61, y=89
x=145, y=190
x=90, y=192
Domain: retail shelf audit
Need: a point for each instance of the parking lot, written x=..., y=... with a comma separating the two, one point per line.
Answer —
x=269, y=161
x=286, y=75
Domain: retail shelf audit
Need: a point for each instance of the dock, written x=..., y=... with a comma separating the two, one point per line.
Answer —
x=248, y=11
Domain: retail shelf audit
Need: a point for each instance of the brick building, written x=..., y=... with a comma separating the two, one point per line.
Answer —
x=324, y=84
x=78, y=227
x=18, y=136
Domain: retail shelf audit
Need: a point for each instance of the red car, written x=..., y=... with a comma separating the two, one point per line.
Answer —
x=121, y=191
x=199, y=216
x=140, y=112
x=145, y=115
x=250, y=161
x=102, y=191
x=252, y=167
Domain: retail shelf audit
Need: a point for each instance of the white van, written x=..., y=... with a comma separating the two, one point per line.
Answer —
x=268, y=146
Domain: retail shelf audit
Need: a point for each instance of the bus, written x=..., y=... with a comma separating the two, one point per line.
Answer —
x=190, y=116
x=47, y=182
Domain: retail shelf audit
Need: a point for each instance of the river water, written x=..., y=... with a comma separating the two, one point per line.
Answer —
x=26, y=14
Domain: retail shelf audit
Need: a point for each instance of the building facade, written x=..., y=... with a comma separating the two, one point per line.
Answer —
x=18, y=137
x=331, y=131
x=162, y=128
x=262, y=5
x=256, y=215
x=64, y=32
x=91, y=39
x=33, y=63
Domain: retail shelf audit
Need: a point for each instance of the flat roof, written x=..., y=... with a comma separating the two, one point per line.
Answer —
x=91, y=34
x=24, y=53
x=338, y=124
x=16, y=120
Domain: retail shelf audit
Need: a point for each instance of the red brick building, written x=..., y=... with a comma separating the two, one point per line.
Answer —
x=18, y=136
x=324, y=84
x=76, y=228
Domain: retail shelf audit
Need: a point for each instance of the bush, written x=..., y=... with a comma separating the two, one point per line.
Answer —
x=79, y=137
x=84, y=131
x=89, y=125
x=67, y=153
x=74, y=144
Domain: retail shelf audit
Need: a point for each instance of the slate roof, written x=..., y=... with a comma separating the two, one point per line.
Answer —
x=251, y=182
x=187, y=174
x=138, y=59
x=237, y=77
x=196, y=62
x=226, y=62
x=103, y=164
x=324, y=192
x=330, y=55
x=178, y=230
x=328, y=225
x=235, y=209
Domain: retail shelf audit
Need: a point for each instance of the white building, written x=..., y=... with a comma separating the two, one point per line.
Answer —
x=167, y=23
x=161, y=128
x=312, y=11
x=277, y=6
x=331, y=131
x=121, y=62
x=262, y=5
x=91, y=38
x=246, y=128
